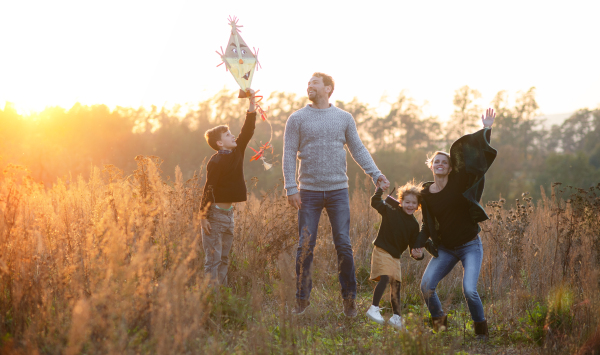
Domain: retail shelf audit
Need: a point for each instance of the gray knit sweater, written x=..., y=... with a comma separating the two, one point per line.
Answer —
x=317, y=137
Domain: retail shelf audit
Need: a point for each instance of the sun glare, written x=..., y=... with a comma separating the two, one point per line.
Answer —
x=66, y=53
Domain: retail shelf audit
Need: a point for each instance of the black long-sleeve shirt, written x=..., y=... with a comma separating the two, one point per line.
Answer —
x=451, y=211
x=471, y=157
x=225, y=172
x=398, y=229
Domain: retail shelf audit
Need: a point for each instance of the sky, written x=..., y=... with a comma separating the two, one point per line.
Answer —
x=133, y=53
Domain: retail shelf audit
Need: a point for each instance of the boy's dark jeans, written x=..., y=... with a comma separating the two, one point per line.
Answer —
x=337, y=205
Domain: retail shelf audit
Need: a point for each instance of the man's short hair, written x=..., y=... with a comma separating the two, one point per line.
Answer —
x=214, y=134
x=327, y=80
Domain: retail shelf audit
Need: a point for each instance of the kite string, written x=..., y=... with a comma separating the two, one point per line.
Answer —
x=261, y=151
x=263, y=113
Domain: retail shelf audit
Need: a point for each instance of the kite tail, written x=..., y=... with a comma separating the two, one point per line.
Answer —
x=260, y=153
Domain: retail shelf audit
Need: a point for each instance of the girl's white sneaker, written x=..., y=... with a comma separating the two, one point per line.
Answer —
x=374, y=313
x=396, y=322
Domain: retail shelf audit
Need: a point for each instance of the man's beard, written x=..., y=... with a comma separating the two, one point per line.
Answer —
x=315, y=98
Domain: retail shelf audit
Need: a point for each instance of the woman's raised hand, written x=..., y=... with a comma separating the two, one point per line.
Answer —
x=488, y=120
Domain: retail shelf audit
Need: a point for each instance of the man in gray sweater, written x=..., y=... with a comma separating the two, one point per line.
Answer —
x=316, y=135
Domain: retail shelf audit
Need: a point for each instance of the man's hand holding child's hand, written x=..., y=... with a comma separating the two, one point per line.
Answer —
x=383, y=182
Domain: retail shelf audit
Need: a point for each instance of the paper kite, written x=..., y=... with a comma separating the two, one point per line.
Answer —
x=238, y=58
x=241, y=63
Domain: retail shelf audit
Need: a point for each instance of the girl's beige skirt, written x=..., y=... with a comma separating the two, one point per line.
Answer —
x=382, y=263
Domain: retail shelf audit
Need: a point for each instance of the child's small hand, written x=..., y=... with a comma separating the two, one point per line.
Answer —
x=383, y=182
x=417, y=253
x=205, y=224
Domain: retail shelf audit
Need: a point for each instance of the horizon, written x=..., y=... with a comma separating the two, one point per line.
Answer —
x=545, y=120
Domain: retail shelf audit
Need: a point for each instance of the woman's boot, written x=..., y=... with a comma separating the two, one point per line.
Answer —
x=481, y=331
x=439, y=323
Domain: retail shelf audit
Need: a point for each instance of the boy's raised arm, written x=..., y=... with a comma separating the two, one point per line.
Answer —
x=247, y=130
x=249, y=124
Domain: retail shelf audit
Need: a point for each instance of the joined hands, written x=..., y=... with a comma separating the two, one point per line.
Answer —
x=383, y=182
x=417, y=253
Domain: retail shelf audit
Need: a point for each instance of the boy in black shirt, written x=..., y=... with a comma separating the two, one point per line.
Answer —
x=224, y=186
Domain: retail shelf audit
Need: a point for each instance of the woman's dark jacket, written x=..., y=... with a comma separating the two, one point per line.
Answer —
x=471, y=156
x=398, y=229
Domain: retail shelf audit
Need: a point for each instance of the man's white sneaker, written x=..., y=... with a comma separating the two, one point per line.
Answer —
x=396, y=322
x=374, y=314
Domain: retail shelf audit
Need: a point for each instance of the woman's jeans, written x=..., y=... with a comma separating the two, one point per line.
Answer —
x=470, y=255
x=337, y=205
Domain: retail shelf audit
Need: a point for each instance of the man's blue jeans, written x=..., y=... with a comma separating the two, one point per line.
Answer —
x=470, y=255
x=337, y=205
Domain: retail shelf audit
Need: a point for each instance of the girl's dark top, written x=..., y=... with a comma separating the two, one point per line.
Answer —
x=398, y=229
x=225, y=172
x=471, y=156
x=451, y=210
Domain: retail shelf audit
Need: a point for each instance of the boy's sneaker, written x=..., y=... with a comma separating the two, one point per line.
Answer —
x=396, y=322
x=350, y=307
x=374, y=314
x=301, y=306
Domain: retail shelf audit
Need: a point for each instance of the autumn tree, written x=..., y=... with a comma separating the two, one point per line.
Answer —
x=466, y=113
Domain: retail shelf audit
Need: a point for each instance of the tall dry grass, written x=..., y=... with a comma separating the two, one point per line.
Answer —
x=114, y=264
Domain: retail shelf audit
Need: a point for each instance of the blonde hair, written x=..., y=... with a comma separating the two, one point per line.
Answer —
x=429, y=161
x=410, y=188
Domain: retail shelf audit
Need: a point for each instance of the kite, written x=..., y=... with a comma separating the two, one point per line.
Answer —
x=238, y=58
x=241, y=62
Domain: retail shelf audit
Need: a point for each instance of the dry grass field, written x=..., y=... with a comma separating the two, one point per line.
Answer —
x=113, y=264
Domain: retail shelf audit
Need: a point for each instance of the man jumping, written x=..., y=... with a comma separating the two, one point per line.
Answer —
x=316, y=135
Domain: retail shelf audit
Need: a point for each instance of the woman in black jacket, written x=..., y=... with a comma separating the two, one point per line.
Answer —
x=451, y=213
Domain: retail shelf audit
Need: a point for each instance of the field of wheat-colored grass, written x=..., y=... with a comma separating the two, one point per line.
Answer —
x=113, y=264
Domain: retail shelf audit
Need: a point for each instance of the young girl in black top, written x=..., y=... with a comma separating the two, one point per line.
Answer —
x=398, y=230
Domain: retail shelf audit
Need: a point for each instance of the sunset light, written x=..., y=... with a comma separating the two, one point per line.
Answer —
x=252, y=177
x=133, y=53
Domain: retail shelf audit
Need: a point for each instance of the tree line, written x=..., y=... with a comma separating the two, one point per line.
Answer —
x=65, y=143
